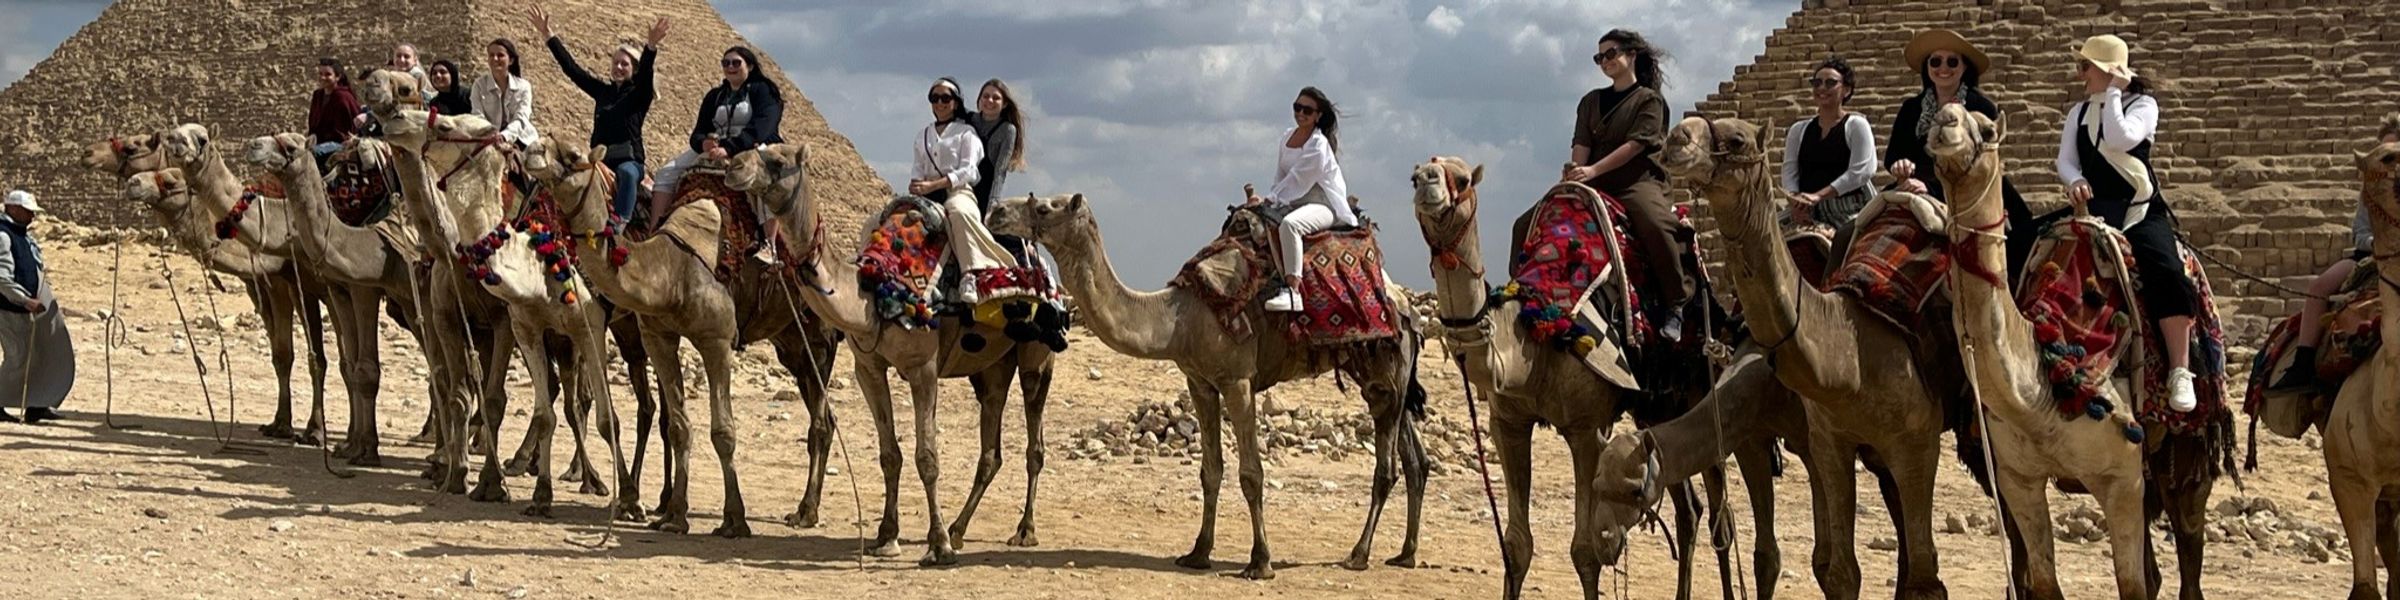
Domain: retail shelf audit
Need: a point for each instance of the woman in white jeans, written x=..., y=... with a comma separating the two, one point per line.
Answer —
x=945, y=172
x=1309, y=186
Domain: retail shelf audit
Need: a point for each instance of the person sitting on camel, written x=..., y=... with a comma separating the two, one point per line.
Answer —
x=944, y=172
x=1309, y=191
x=2312, y=314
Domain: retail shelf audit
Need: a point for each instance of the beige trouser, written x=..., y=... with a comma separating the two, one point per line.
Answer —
x=970, y=243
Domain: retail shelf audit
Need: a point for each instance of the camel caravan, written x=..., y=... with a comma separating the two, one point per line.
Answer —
x=2078, y=350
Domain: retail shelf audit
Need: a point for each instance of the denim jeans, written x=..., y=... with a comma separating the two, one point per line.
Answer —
x=629, y=188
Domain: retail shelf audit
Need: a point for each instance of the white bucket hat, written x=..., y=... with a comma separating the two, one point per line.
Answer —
x=23, y=198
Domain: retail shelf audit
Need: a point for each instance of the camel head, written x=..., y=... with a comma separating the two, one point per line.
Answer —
x=1444, y=182
x=2377, y=165
x=1624, y=492
x=775, y=174
x=277, y=152
x=1699, y=151
x=1063, y=220
x=1959, y=139
x=576, y=179
x=186, y=145
x=124, y=155
x=386, y=92
x=163, y=190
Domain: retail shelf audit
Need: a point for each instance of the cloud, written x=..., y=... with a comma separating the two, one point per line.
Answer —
x=1444, y=21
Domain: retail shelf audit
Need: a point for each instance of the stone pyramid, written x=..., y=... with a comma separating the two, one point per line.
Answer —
x=2265, y=100
x=243, y=68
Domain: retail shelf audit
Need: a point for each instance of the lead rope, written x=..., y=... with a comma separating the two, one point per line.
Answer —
x=1728, y=545
x=315, y=342
x=219, y=430
x=858, y=521
x=1482, y=464
x=110, y=329
x=1983, y=419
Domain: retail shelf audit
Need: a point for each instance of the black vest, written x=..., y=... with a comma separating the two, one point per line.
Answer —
x=1823, y=158
x=2112, y=194
x=28, y=262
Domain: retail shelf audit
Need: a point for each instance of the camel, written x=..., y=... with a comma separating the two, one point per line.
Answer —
x=1529, y=384
x=2030, y=442
x=281, y=291
x=776, y=180
x=1225, y=374
x=1869, y=392
x=2364, y=424
x=675, y=294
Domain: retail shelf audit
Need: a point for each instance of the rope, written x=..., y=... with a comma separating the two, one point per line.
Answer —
x=1966, y=350
x=110, y=329
x=225, y=443
x=1482, y=465
x=316, y=342
x=858, y=520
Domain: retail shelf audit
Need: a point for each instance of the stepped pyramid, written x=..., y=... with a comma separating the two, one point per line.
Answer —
x=244, y=68
x=2265, y=101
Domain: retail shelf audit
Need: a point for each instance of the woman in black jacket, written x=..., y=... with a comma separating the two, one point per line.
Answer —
x=1951, y=69
x=744, y=112
x=619, y=105
x=446, y=95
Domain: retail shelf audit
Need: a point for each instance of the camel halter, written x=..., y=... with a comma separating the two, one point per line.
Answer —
x=126, y=155
x=1462, y=198
x=481, y=144
x=1970, y=260
x=1719, y=157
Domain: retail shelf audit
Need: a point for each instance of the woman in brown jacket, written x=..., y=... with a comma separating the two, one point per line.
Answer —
x=1618, y=132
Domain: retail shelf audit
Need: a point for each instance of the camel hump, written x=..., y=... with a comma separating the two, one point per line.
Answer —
x=697, y=227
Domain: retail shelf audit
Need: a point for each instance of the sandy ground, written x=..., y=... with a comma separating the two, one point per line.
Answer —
x=159, y=512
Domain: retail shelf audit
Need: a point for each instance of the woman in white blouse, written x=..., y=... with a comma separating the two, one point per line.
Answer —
x=1309, y=189
x=1829, y=158
x=504, y=96
x=2104, y=158
x=945, y=172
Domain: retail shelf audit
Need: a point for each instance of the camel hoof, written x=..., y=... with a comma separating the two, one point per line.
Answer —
x=368, y=458
x=732, y=530
x=671, y=525
x=803, y=518
x=1024, y=539
x=348, y=449
x=1405, y=561
x=957, y=541
x=538, y=510
x=594, y=487
x=489, y=492
x=432, y=472
x=886, y=549
x=1259, y=572
x=454, y=481
x=1196, y=561
x=515, y=467
x=421, y=439
x=280, y=431
x=938, y=555
x=574, y=474
x=310, y=439
x=1354, y=563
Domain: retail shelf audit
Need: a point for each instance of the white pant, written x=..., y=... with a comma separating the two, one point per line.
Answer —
x=663, y=182
x=1307, y=219
x=970, y=243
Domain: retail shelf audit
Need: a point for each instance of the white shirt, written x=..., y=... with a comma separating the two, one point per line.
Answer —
x=949, y=152
x=2123, y=126
x=512, y=111
x=1861, y=139
x=1311, y=165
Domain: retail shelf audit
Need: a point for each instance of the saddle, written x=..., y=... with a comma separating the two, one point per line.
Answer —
x=1342, y=289
x=1578, y=288
x=2080, y=294
x=721, y=224
x=901, y=259
x=1899, y=259
x=360, y=183
x=2352, y=334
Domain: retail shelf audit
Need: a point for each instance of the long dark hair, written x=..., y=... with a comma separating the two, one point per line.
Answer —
x=1841, y=67
x=445, y=65
x=2142, y=85
x=1014, y=117
x=516, y=66
x=1649, y=62
x=1328, y=120
x=750, y=58
x=340, y=79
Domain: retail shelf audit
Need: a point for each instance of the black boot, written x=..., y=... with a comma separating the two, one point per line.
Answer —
x=2303, y=373
x=39, y=414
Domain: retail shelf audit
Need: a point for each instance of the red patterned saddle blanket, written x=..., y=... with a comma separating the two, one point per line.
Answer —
x=737, y=235
x=1343, y=300
x=2352, y=334
x=2079, y=293
x=360, y=183
x=1899, y=260
x=1577, y=280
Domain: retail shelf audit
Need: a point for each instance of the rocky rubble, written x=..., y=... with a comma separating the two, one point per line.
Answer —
x=2250, y=524
x=1172, y=429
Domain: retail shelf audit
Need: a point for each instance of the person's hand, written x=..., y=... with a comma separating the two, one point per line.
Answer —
x=2079, y=192
x=541, y=22
x=34, y=305
x=658, y=32
x=1913, y=186
x=1903, y=168
x=359, y=121
x=716, y=152
x=1580, y=174
x=1806, y=199
x=920, y=187
x=1254, y=200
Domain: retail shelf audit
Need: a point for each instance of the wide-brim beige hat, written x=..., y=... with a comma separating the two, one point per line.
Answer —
x=1930, y=41
x=2109, y=53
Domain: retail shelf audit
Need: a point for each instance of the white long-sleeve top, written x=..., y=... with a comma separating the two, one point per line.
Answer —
x=1312, y=165
x=950, y=152
x=511, y=111
x=1859, y=135
x=2124, y=125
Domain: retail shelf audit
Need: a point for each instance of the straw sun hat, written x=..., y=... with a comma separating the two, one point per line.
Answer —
x=2109, y=53
x=1927, y=42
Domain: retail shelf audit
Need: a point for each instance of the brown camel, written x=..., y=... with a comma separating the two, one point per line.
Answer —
x=275, y=285
x=2031, y=443
x=776, y=177
x=1870, y=393
x=674, y=292
x=1530, y=384
x=2364, y=425
x=1225, y=374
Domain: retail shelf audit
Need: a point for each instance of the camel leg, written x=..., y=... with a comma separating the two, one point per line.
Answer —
x=446, y=341
x=674, y=509
x=1388, y=413
x=339, y=303
x=1911, y=477
x=312, y=331
x=1687, y=522
x=1209, y=407
x=2029, y=509
x=810, y=362
x=1584, y=445
x=545, y=390
x=591, y=379
x=1413, y=470
x=1833, y=483
x=1757, y=461
x=628, y=335
x=538, y=433
x=1512, y=441
x=2187, y=515
x=717, y=357
x=925, y=395
x=2354, y=498
x=1720, y=526
x=875, y=384
x=1244, y=407
x=1034, y=386
x=278, y=308
x=991, y=401
x=2387, y=541
x=363, y=370
x=2121, y=505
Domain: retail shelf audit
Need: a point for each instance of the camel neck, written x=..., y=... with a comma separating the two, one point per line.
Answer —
x=1764, y=276
x=1995, y=342
x=1137, y=324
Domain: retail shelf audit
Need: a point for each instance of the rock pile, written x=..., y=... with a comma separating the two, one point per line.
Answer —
x=1172, y=429
x=2260, y=524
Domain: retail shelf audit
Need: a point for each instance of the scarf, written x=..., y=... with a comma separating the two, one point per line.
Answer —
x=2126, y=165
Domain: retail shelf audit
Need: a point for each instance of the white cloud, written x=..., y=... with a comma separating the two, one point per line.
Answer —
x=1444, y=21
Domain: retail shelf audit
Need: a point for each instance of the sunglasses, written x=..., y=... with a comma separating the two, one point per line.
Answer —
x=1824, y=82
x=940, y=98
x=1609, y=55
x=1306, y=109
x=1945, y=62
x=733, y=62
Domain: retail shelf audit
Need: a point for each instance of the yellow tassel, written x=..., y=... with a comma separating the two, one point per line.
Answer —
x=1585, y=344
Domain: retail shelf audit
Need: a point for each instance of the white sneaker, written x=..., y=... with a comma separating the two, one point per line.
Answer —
x=2179, y=391
x=1288, y=301
x=966, y=289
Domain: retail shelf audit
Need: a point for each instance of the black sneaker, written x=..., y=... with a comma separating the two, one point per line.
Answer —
x=1669, y=324
x=2303, y=373
x=39, y=414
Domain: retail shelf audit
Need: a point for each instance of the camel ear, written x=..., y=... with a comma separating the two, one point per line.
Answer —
x=1075, y=203
x=1477, y=178
x=1995, y=129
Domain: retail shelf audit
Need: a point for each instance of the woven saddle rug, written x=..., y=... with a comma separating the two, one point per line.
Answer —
x=2080, y=295
x=727, y=237
x=902, y=257
x=360, y=183
x=1342, y=290
x=2352, y=334
x=1899, y=259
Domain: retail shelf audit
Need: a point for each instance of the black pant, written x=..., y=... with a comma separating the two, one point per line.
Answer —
x=2166, y=292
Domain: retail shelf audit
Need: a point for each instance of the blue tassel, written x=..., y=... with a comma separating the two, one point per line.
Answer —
x=2133, y=433
x=2097, y=409
x=564, y=275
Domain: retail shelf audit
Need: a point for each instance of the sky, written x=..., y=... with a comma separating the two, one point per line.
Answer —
x=1158, y=111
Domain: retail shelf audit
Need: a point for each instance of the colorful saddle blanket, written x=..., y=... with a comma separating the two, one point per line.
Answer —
x=898, y=266
x=2080, y=294
x=1343, y=298
x=1576, y=282
x=728, y=239
x=1899, y=259
x=361, y=184
x=2351, y=335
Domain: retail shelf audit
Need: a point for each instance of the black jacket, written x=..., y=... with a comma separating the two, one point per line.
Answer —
x=618, y=108
x=766, y=116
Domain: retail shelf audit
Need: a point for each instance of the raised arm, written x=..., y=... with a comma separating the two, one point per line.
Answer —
x=2124, y=124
